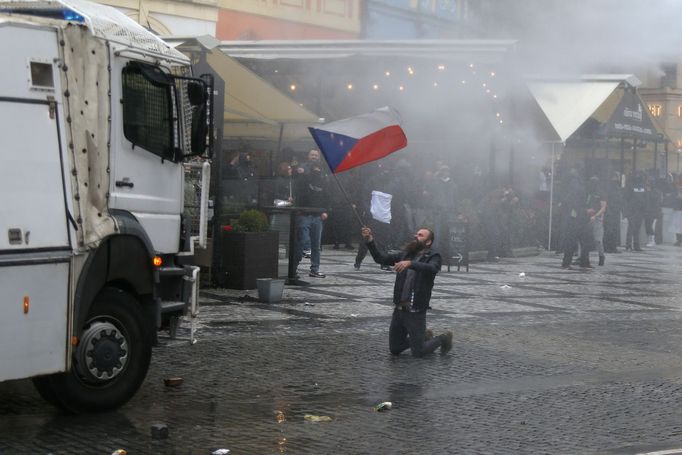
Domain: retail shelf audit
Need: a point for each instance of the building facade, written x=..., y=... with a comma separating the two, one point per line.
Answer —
x=171, y=18
x=246, y=20
x=413, y=19
x=339, y=19
x=663, y=94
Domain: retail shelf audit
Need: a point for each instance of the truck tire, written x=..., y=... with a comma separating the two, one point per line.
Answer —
x=44, y=387
x=110, y=361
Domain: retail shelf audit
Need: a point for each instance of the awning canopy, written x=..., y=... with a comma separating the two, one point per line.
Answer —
x=419, y=78
x=631, y=118
x=609, y=100
x=250, y=98
x=252, y=106
x=320, y=68
x=462, y=50
x=567, y=104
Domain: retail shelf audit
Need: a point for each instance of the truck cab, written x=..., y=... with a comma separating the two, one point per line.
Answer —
x=99, y=121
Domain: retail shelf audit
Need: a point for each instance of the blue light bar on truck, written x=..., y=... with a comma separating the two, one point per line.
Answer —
x=62, y=13
x=72, y=16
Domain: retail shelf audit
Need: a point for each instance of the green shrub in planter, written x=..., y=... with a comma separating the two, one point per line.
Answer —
x=252, y=221
x=249, y=250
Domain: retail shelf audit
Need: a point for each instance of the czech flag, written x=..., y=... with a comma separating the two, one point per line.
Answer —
x=355, y=141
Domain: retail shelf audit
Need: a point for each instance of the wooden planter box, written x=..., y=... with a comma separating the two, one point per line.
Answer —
x=246, y=256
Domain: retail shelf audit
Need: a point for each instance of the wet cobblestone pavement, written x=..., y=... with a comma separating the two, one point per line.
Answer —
x=555, y=362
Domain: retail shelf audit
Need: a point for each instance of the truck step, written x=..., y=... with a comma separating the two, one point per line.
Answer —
x=171, y=271
x=172, y=306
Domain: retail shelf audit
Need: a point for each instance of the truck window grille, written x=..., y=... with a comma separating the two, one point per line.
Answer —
x=148, y=119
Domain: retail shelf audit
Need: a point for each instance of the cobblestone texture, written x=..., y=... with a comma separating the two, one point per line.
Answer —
x=555, y=362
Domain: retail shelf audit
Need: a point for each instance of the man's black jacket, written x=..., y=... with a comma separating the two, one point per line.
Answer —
x=311, y=188
x=427, y=265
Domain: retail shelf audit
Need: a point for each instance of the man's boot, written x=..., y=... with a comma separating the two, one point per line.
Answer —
x=602, y=258
x=446, y=345
x=652, y=241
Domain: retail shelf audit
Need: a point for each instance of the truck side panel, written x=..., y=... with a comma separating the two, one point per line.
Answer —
x=32, y=205
x=34, y=319
x=26, y=49
x=35, y=250
x=33, y=211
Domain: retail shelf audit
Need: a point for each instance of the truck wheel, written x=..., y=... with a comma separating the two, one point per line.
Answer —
x=110, y=361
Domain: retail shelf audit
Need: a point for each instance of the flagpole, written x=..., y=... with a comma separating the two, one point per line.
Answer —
x=352, y=206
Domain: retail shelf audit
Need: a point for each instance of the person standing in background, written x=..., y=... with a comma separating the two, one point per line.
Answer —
x=443, y=194
x=652, y=210
x=596, y=207
x=311, y=190
x=612, y=217
x=341, y=215
x=575, y=228
x=676, y=220
x=635, y=199
x=376, y=181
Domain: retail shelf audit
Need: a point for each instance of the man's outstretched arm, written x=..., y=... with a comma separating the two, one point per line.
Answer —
x=379, y=256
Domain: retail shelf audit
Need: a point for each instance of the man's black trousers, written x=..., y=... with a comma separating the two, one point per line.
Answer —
x=407, y=331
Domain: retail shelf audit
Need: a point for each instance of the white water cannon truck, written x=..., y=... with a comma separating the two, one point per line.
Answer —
x=100, y=120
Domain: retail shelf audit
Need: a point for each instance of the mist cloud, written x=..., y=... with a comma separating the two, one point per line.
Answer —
x=586, y=36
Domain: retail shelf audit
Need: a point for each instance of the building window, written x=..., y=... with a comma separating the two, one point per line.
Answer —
x=655, y=109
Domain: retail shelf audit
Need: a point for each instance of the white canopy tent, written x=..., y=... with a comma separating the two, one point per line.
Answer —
x=567, y=103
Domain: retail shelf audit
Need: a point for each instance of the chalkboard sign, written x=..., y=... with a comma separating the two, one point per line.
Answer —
x=458, y=245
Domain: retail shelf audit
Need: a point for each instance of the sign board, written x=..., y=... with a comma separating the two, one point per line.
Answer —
x=458, y=245
x=631, y=119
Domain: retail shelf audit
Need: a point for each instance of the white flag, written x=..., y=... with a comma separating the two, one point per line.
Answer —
x=381, y=206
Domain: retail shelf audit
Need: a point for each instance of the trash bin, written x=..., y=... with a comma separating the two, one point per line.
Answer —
x=270, y=290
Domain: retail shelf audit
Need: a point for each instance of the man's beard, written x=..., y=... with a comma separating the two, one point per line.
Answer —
x=414, y=247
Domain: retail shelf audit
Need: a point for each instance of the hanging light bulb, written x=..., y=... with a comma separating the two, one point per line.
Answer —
x=492, y=74
x=410, y=70
x=435, y=84
x=375, y=87
x=349, y=86
x=441, y=67
x=401, y=88
x=292, y=87
x=387, y=73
